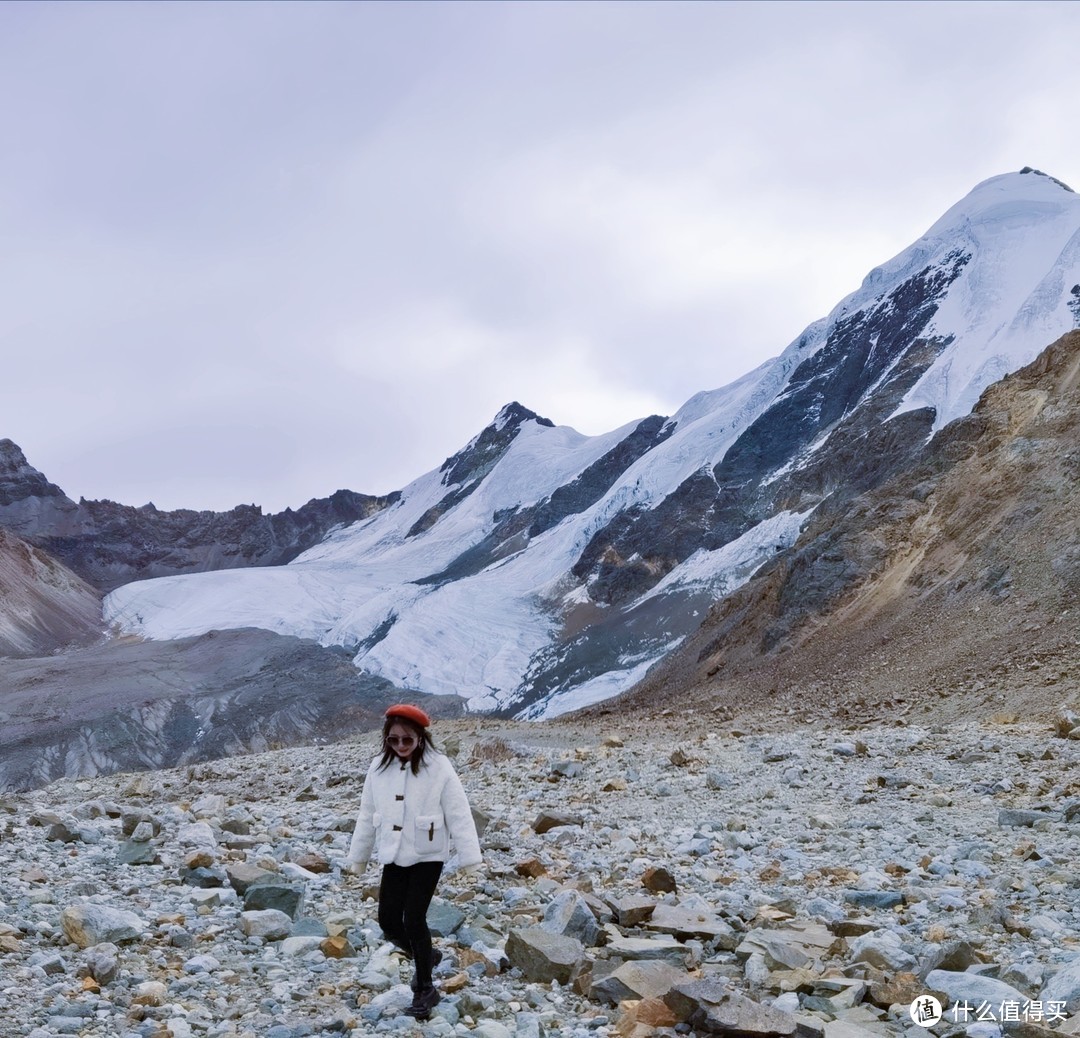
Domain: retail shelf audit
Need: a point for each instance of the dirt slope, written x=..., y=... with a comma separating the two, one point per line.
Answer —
x=43, y=605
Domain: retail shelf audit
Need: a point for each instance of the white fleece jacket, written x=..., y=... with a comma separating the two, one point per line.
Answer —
x=409, y=818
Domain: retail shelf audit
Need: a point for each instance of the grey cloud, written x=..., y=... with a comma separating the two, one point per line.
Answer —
x=261, y=251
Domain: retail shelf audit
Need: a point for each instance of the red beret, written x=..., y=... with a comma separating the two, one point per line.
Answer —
x=413, y=713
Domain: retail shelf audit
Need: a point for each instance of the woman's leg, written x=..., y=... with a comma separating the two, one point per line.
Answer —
x=393, y=901
x=423, y=878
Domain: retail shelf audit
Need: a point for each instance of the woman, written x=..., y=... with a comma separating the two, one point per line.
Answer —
x=412, y=806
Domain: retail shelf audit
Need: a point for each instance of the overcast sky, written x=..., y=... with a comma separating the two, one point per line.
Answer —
x=257, y=252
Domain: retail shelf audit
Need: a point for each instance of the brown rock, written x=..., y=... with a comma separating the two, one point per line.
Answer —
x=198, y=859
x=633, y=910
x=853, y=927
x=658, y=880
x=314, y=863
x=467, y=957
x=901, y=989
x=656, y=1013
x=532, y=868
x=548, y=820
x=337, y=948
x=455, y=983
x=639, y=1018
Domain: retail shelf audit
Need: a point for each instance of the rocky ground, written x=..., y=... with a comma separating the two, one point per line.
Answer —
x=680, y=876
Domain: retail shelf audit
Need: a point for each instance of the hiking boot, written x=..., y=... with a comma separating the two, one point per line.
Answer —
x=423, y=1002
x=436, y=958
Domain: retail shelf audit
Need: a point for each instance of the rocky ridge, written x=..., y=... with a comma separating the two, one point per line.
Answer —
x=685, y=877
x=109, y=544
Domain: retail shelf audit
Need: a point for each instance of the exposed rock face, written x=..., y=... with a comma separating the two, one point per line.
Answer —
x=28, y=501
x=959, y=570
x=465, y=471
x=128, y=705
x=848, y=389
x=518, y=526
x=109, y=544
x=43, y=605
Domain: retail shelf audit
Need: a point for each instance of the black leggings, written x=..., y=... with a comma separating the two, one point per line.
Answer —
x=404, y=895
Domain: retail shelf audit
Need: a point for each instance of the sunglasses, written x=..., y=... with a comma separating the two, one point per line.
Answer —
x=401, y=740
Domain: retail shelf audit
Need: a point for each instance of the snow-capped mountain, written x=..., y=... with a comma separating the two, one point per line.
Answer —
x=539, y=570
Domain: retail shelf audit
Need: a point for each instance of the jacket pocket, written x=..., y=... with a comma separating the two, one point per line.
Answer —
x=376, y=820
x=430, y=835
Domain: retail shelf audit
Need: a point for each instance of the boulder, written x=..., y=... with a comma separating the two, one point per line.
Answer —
x=569, y=915
x=269, y=924
x=633, y=909
x=543, y=957
x=548, y=820
x=444, y=918
x=197, y=834
x=87, y=925
x=1064, y=987
x=270, y=895
x=882, y=949
x=101, y=961
x=690, y=923
x=711, y=1005
x=243, y=875
x=658, y=880
x=976, y=989
x=636, y=948
x=637, y=980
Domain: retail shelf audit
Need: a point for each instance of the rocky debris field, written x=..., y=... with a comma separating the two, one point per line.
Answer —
x=663, y=879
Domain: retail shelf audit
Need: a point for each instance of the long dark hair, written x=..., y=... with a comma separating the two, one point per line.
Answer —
x=423, y=741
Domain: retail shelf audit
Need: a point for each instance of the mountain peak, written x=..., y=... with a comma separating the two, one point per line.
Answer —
x=479, y=456
x=19, y=480
x=1040, y=173
x=515, y=414
x=1007, y=201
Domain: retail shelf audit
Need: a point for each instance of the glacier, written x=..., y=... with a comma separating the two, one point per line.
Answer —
x=442, y=593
